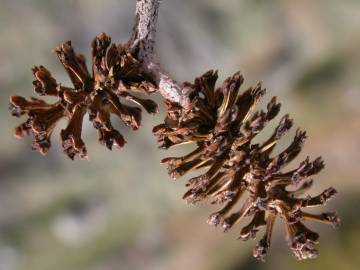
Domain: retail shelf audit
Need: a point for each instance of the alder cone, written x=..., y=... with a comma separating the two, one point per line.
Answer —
x=222, y=123
x=115, y=74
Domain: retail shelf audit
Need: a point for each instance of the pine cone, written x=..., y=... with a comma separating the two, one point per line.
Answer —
x=222, y=124
x=115, y=71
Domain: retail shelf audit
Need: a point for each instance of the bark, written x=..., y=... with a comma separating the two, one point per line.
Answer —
x=143, y=41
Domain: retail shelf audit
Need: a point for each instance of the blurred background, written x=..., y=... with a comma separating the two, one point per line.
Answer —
x=119, y=209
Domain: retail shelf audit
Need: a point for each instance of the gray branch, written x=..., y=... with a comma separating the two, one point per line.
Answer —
x=143, y=41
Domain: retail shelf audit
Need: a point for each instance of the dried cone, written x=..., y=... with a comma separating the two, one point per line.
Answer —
x=222, y=123
x=115, y=72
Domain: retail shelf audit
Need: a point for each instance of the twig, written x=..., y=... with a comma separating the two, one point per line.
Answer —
x=143, y=40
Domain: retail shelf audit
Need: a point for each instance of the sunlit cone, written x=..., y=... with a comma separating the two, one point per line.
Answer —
x=115, y=74
x=222, y=123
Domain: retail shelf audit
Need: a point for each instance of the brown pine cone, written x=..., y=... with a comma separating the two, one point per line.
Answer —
x=223, y=123
x=115, y=72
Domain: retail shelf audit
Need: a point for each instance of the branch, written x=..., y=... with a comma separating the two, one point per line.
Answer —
x=143, y=40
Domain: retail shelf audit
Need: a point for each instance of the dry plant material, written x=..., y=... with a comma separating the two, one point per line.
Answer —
x=115, y=74
x=222, y=123
x=246, y=178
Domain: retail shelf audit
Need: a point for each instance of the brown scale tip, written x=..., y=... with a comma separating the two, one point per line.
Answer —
x=261, y=250
x=222, y=123
x=116, y=73
x=45, y=84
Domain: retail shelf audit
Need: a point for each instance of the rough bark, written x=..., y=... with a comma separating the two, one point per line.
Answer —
x=143, y=41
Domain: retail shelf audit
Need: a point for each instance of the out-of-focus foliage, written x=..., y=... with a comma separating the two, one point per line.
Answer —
x=120, y=210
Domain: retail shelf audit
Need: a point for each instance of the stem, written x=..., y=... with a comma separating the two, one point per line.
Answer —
x=143, y=41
